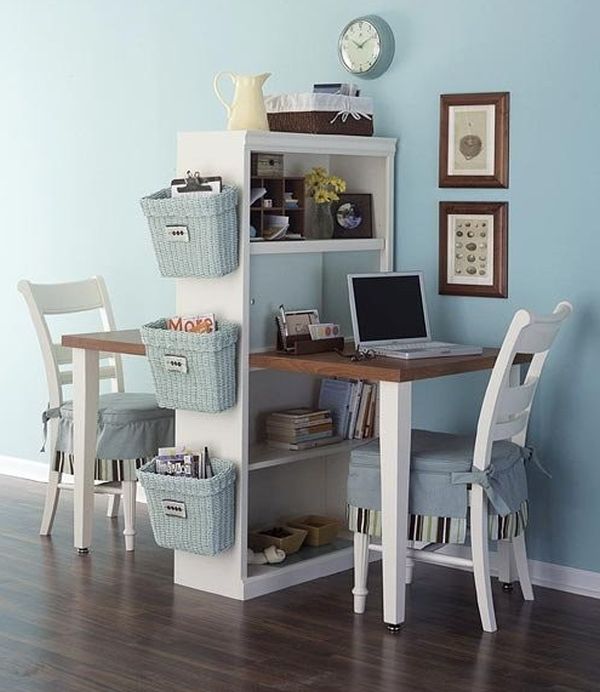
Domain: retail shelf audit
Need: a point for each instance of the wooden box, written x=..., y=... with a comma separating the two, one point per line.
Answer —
x=267, y=165
x=259, y=540
x=320, y=530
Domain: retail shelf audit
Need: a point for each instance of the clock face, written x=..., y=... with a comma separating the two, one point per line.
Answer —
x=360, y=46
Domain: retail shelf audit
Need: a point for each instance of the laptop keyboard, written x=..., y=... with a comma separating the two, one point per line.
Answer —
x=412, y=347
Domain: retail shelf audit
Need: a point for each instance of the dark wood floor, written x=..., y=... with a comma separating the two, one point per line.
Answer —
x=111, y=621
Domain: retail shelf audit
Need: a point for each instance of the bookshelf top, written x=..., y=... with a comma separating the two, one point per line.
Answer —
x=292, y=142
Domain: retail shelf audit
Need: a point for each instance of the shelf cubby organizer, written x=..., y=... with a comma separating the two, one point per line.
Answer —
x=272, y=484
x=276, y=189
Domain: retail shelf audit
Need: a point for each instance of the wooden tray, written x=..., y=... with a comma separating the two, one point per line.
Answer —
x=320, y=530
x=290, y=544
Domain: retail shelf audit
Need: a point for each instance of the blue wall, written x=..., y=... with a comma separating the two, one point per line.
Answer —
x=94, y=92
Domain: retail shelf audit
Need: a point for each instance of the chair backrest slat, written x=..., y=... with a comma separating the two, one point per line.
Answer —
x=63, y=299
x=506, y=407
x=506, y=430
x=106, y=372
x=515, y=400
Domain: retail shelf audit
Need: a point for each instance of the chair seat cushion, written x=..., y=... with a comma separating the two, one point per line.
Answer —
x=441, y=469
x=130, y=426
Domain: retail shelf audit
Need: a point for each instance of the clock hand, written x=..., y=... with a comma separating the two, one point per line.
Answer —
x=363, y=43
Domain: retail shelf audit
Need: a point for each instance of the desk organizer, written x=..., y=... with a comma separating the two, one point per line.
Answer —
x=192, y=371
x=193, y=236
x=303, y=345
x=192, y=514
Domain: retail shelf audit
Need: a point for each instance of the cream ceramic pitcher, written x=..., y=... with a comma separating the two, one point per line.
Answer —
x=247, y=111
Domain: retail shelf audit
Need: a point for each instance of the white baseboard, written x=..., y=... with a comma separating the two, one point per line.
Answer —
x=570, y=579
x=559, y=577
x=38, y=471
x=24, y=468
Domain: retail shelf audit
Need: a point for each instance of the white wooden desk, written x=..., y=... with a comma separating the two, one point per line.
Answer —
x=395, y=378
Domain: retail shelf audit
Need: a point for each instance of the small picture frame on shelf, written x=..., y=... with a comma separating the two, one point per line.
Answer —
x=474, y=131
x=473, y=249
x=353, y=216
x=297, y=322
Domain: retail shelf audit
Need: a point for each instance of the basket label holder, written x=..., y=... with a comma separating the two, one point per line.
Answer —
x=174, y=508
x=177, y=234
x=174, y=363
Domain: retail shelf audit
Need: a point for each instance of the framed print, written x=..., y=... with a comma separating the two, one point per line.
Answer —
x=352, y=216
x=473, y=253
x=474, y=140
x=298, y=321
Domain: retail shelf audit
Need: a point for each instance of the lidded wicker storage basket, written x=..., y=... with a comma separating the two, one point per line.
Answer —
x=192, y=514
x=192, y=371
x=193, y=236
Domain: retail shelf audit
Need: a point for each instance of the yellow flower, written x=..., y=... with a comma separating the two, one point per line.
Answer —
x=322, y=186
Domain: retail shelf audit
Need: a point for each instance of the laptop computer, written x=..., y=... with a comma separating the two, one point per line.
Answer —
x=389, y=317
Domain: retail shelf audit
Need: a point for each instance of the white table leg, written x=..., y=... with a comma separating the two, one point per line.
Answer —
x=394, y=432
x=85, y=415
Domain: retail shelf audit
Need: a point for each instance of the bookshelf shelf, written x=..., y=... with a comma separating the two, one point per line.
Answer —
x=261, y=456
x=323, y=553
x=284, y=247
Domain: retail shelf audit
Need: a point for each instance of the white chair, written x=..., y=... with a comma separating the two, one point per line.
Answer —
x=504, y=416
x=77, y=297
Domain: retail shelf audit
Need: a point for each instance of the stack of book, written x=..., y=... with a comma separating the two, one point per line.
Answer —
x=300, y=428
x=353, y=406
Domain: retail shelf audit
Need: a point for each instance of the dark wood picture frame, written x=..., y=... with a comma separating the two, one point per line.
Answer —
x=363, y=201
x=501, y=103
x=499, y=250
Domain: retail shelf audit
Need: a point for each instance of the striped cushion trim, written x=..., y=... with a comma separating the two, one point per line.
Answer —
x=107, y=470
x=429, y=529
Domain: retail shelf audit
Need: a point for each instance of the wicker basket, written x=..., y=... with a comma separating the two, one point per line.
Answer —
x=192, y=371
x=192, y=514
x=320, y=114
x=193, y=236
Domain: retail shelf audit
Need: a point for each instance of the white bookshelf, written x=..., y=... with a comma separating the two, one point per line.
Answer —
x=311, y=273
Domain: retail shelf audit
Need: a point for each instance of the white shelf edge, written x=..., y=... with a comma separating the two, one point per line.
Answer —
x=287, y=247
x=262, y=456
x=266, y=579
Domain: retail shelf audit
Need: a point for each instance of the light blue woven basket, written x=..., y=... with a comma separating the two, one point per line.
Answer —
x=206, y=508
x=193, y=236
x=192, y=371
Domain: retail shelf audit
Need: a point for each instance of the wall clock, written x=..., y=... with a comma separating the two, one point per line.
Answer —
x=366, y=46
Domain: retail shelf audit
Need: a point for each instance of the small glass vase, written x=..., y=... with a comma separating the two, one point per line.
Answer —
x=320, y=225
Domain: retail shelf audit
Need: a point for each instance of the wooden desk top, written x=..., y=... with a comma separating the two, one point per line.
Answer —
x=378, y=369
x=128, y=341
x=123, y=341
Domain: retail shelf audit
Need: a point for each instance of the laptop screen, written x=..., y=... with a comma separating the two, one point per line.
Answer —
x=388, y=307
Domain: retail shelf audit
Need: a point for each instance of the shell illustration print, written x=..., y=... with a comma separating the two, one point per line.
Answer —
x=472, y=250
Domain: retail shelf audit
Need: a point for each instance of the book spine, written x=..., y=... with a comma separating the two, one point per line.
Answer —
x=299, y=438
x=364, y=402
x=302, y=420
x=358, y=385
x=299, y=429
x=372, y=411
x=298, y=446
